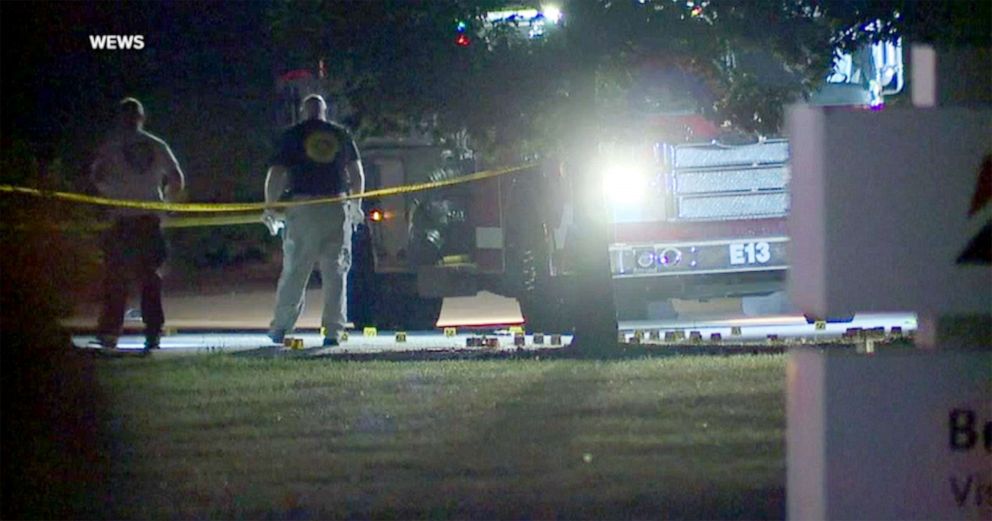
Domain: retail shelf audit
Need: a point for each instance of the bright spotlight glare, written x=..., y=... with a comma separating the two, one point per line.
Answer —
x=625, y=182
x=552, y=13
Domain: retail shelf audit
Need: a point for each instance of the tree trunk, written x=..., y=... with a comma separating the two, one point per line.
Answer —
x=593, y=307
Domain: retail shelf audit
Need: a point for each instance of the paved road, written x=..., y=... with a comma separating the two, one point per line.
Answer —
x=236, y=320
x=356, y=344
x=251, y=308
x=785, y=326
x=235, y=309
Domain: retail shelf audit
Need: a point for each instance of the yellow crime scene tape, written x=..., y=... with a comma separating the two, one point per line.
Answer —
x=240, y=210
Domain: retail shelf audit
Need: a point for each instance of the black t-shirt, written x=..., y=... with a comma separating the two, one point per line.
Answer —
x=315, y=153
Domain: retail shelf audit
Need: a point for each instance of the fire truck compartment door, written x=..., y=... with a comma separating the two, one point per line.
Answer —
x=391, y=233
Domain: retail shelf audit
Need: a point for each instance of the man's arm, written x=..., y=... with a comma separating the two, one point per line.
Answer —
x=174, y=180
x=275, y=183
x=356, y=184
x=353, y=171
x=98, y=169
x=356, y=177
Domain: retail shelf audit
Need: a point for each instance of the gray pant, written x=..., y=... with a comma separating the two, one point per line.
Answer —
x=314, y=234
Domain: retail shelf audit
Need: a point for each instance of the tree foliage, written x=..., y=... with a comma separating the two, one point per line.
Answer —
x=397, y=63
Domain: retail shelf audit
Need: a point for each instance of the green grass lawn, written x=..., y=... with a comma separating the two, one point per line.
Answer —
x=225, y=436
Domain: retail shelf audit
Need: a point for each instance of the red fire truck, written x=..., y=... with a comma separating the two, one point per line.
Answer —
x=702, y=217
x=698, y=214
x=698, y=221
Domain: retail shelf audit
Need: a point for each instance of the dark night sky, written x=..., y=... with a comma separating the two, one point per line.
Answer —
x=50, y=73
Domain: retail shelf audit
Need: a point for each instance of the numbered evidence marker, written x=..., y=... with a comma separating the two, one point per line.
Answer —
x=400, y=337
x=750, y=253
x=450, y=331
x=371, y=332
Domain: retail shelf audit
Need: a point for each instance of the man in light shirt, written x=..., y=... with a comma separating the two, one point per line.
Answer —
x=135, y=165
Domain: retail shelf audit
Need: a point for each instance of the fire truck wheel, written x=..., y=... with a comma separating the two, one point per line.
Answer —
x=544, y=308
x=361, y=280
x=387, y=301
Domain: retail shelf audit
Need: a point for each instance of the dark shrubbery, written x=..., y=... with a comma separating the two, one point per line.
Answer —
x=222, y=141
x=218, y=247
x=50, y=249
x=51, y=458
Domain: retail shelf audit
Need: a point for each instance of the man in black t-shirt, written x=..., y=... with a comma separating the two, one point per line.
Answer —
x=316, y=159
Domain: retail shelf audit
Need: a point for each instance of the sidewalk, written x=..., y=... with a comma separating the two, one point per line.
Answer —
x=237, y=298
x=245, y=308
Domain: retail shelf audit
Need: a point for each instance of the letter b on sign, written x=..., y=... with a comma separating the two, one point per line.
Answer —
x=964, y=435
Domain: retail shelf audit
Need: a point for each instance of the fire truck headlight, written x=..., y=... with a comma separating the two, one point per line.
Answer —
x=552, y=13
x=625, y=182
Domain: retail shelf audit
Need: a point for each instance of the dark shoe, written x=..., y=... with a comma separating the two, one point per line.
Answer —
x=152, y=341
x=277, y=336
x=331, y=341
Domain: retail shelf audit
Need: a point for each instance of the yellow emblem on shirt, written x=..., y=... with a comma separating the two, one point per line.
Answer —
x=321, y=147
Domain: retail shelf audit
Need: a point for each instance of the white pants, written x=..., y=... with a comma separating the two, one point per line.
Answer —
x=314, y=234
